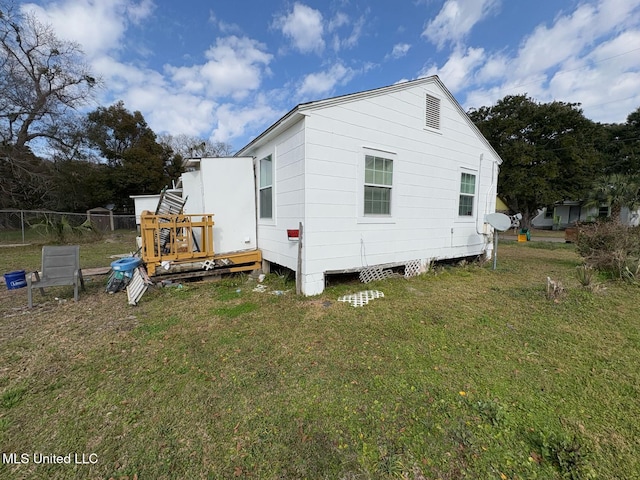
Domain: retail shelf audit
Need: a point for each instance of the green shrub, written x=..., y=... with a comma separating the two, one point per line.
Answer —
x=585, y=275
x=611, y=247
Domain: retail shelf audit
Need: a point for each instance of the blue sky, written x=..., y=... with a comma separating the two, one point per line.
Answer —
x=226, y=70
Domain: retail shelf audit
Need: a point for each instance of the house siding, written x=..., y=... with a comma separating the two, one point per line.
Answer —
x=287, y=151
x=424, y=223
x=319, y=153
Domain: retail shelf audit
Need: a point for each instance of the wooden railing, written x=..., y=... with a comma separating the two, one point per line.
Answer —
x=175, y=238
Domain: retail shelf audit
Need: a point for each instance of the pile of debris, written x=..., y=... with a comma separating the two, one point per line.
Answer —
x=129, y=273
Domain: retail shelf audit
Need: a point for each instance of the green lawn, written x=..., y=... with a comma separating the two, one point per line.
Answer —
x=463, y=372
x=93, y=252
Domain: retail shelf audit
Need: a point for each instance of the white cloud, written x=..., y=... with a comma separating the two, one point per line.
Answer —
x=119, y=76
x=97, y=25
x=602, y=79
x=350, y=40
x=399, y=50
x=456, y=19
x=233, y=121
x=587, y=55
x=176, y=113
x=353, y=39
x=339, y=20
x=572, y=34
x=235, y=66
x=304, y=27
x=458, y=71
x=548, y=47
x=495, y=68
x=321, y=83
x=179, y=99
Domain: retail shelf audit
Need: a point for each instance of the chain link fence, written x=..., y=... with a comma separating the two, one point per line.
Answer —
x=25, y=226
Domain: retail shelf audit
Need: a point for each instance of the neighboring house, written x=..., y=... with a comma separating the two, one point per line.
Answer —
x=393, y=176
x=567, y=213
x=501, y=206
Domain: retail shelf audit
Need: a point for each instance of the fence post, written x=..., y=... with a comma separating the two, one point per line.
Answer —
x=22, y=223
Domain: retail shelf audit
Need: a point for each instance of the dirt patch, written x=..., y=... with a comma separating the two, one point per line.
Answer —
x=316, y=309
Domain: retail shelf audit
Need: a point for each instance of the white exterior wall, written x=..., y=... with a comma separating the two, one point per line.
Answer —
x=427, y=166
x=287, y=152
x=318, y=178
x=143, y=203
x=224, y=187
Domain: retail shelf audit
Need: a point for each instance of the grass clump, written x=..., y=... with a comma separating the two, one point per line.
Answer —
x=61, y=229
x=12, y=397
x=567, y=453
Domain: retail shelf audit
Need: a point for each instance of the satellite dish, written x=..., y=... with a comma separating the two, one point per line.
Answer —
x=499, y=221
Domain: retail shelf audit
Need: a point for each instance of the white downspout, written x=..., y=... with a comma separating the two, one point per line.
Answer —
x=478, y=198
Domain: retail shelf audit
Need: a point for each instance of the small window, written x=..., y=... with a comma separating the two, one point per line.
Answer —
x=603, y=211
x=266, y=188
x=467, y=194
x=433, y=112
x=548, y=212
x=378, y=179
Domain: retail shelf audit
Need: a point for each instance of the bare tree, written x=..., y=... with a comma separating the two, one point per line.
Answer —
x=43, y=80
x=189, y=146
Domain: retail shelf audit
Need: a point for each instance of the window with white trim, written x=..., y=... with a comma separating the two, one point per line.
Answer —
x=378, y=181
x=467, y=194
x=432, y=115
x=266, y=188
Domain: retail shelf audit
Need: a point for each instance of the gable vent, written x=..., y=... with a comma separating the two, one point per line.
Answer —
x=433, y=112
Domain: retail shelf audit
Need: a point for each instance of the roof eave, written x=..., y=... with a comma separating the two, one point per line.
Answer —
x=298, y=112
x=288, y=119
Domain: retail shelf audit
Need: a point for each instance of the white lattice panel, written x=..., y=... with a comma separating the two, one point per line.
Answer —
x=372, y=274
x=413, y=269
x=361, y=298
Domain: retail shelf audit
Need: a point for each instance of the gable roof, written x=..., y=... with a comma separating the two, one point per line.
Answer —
x=299, y=111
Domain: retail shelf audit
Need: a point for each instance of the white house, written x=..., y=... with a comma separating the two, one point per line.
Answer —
x=390, y=176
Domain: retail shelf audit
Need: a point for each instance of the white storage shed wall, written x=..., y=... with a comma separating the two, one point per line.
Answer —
x=224, y=187
x=142, y=203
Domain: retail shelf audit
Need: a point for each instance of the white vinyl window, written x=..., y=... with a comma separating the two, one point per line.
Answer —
x=467, y=194
x=266, y=188
x=378, y=181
